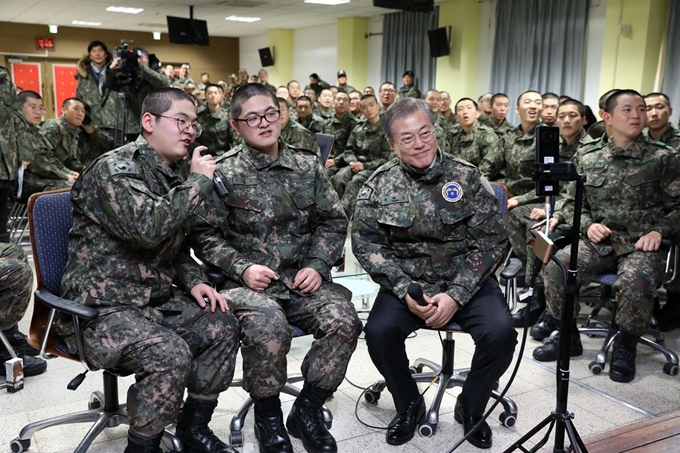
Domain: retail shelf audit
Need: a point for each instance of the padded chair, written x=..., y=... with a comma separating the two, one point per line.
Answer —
x=217, y=279
x=610, y=330
x=447, y=376
x=50, y=219
x=17, y=224
x=325, y=142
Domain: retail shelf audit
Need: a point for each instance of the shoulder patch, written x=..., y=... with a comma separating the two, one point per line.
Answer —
x=364, y=193
x=231, y=152
x=459, y=160
x=123, y=167
x=384, y=168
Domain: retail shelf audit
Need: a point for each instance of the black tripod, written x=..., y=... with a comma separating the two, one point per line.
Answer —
x=120, y=127
x=560, y=418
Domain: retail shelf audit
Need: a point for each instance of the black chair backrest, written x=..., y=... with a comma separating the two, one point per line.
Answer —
x=50, y=219
x=325, y=142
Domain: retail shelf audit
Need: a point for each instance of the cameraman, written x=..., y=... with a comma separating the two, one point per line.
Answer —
x=136, y=77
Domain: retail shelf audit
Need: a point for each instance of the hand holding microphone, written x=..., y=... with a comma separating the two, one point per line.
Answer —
x=415, y=292
x=206, y=166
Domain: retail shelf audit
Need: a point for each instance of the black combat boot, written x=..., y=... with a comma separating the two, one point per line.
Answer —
x=137, y=444
x=545, y=325
x=669, y=315
x=270, y=431
x=305, y=421
x=536, y=306
x=550, y=349
x=622, y=367
x=33, y=366
x=192, y=428
x=19, y=341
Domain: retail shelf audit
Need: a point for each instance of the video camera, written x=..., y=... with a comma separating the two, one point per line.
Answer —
x=126, y=75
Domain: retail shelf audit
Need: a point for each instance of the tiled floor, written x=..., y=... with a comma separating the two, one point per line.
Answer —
x=598, y=403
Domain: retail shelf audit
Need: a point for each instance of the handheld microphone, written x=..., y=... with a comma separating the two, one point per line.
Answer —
x=217, y=181
x=415, y=291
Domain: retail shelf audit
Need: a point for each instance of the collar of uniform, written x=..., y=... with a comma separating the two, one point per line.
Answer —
x=261, y=160
x=473, y=129
x=429, y=174
x=635, y=150
x=522, y=136
x=152, y=157
x=669, y=136
x=378, y=127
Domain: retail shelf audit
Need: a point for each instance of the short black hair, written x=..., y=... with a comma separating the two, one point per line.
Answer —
x=368, y=96
x=602, y=102
x=387, y=82
x=655, y=94
x=519, y=98
x=160, y=100
x=213, y=85
x=246, y=92
x=28, y=94
x=288, y=84
x=578, y=104
x=455, y=107
x=282, y=101
x=550, y=95
x=314, y=75
x=498, y=95
x=68, y=101
x=204, y=73
x=613, y=100
x=303, y=99
x=96, y=43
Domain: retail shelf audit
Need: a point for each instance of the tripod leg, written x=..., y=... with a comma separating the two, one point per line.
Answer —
x=549, y=420
x=574, y=439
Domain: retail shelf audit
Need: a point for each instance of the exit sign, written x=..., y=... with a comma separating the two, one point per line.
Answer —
x=44, y=43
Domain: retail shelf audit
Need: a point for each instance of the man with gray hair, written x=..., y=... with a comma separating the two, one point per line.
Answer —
x=429, y=218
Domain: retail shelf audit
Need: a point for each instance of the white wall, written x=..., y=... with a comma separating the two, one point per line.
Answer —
x=315, y=49
x=249, y=57
x=594, y=47
x=374, y=54
x=487, y=31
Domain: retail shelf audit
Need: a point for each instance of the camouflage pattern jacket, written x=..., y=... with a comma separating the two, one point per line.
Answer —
x=64, y=140
x=366, y=144
x=474, y=145
x=409, y=92
x=127, y=244
x=340, y=129
x=500, y=130
x=91, y=146
x=12, y=148
x=441, y=227
x=515, y=159
x=45, y=163
x=281, y=213
x=217, y=131
x=313, y=123
x=298, y=136
x=670, y=138
x=632, y=191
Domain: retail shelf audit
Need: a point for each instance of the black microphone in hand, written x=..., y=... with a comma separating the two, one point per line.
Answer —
x=415, y=292
x=217, y=181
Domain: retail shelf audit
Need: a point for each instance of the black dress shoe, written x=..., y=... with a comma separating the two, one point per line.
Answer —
x=481, y=437
x=271, y=433
x=306, y=423
x=404, y=425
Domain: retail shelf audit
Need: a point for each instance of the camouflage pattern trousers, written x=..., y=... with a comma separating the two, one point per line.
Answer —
x=168, y=352
x=348, y=185
x=639, y=275
x=519, y=224
x=16, y=283
x=327, y=314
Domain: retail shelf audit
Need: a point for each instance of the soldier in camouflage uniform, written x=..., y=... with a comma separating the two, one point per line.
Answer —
x=366, y=150
x=388, y=94
x=341, y=125
x=515, y=159
x=63, y=133
x=325, y=110
x=292, y=132
x=276, y=237
x=214, y=119
x=342, y=83
x=549, y=113
x=128, y=258
x=432, y=219
x=263, y=77
x=409, y=90
x=500, y=104
x=184, y=78
x=45, y=170
x=472, y=140
x=659, y=128
x=16, y=284
x=309, y=120
x=447, y=118
x=484, y=105
x=631, y=201
x=434, y=100
x=92, y=141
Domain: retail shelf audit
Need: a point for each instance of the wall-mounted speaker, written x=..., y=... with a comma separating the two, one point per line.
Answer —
x=266, y=57
x=439, y=42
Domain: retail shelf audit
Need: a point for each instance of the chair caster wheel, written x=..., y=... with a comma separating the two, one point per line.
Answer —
x=595, y=367
x=19, y=445
x=670, y=368
x=508, y=420
x=427, y=429
x=371, y=397
x=416, y=369
x=96, y=400
x=236, y=438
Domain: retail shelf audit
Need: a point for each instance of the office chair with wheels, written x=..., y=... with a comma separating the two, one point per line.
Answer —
x=50, y=219
x=447, y=377
x=610, y=330
x=218, y=279
x=325, y=142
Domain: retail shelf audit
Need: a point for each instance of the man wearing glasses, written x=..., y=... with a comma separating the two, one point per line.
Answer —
x=276, y=236
x=127, y=257
x=388, y=94
x=432, y=219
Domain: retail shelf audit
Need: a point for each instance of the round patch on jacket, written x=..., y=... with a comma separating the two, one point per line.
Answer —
x=452, y=192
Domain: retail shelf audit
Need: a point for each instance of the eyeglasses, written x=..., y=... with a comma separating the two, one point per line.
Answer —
x=183, y=124
x=410, y=140
x=271, y=116
x=387, y=90
x=37, y=108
